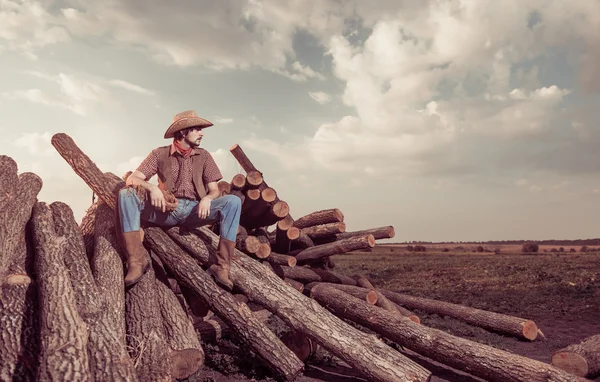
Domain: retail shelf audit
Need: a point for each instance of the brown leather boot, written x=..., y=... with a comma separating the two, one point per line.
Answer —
x=137, y=260
x=220, y=270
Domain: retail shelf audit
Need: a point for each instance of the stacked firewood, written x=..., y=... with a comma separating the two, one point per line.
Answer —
x=67, y=316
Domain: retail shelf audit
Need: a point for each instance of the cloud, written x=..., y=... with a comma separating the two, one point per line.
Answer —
x=37, y=144
x=320, y=97
x=131, y=87
x=222, y=120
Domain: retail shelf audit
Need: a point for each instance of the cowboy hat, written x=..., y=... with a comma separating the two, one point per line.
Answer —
x=184, y=120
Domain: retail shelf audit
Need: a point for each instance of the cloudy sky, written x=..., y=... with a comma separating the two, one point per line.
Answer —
x=448, y=119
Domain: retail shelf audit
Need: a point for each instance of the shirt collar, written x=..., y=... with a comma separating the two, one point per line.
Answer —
x=173, y=150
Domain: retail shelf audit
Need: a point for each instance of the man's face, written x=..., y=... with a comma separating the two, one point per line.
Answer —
x=194, y=136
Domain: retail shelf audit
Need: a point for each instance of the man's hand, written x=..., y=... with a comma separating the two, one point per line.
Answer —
x=204, y=207
x=158, y=199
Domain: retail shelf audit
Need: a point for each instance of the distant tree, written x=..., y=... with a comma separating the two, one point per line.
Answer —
x=561, y=249
x=480, y=249
x=410, y=248
x=530, y=248
x=583, y=248
x=572, y=250
x=553, y=250
x=420, y=248
x=497, y=251
x=446, y=250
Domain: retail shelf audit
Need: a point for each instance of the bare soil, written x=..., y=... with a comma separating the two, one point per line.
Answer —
x=559, y=291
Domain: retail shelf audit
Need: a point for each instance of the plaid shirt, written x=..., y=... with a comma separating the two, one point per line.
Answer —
x=182, y=171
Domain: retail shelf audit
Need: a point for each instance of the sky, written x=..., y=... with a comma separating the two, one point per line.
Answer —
x=451, y=120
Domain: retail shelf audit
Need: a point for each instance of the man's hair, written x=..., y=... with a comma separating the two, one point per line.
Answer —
x=182, y=133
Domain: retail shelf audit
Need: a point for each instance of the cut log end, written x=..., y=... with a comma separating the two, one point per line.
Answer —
x=285, y=223
x=293, y=233
x=269, y=195
x=530, y=330
x=371, y=240
x=415, y=319
x=292, y=261
x=18, y=279
x=339, y=215
x=264, y=250
x=238, y=181
x=371, y=297
x=186, y=362
x=281, y=209
x=571, y=362
x=253, y=194
x=234, y=147
x=391, y=231
x=254, y=178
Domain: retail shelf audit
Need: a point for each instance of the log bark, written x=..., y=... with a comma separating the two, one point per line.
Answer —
x=480, y=360
x=277, y=258
x=14, y=216
x=324, y=230
x=256, y=335
x=582, y=359
x=9, y=180
x=87, y=229
x=295, y=284
x=214, y=329
x=109, y=359
x=87, y=297
x=308, y=275
x=284, y=234
x=368, y=295
x=187, y=355
x=332, y=215
x=239, y=194
x=19, y=324
x=514, y=326
x=335, y=248
x=63, y=333
x=373, y=359
x=386, y=232
x=385, y=303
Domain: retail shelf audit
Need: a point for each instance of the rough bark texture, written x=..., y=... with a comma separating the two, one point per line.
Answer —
x=385, y=303
x=480, y=360
x=14, y=216
x=8, y=180
x=332, y=215
x=307, y=275
x=63, y=333
x=87, y=229
x=582, y=359
x=146, y=337
x=109, y=359
x=335, y=248
x=277, y=258
x=214, y=329
x=324, y=230
x=19, y=324
x=375, y=360
x=259, y=338
x=368, y=295
x=386, y=232
x=87, y=297
x=187, y=356
x=514, y=326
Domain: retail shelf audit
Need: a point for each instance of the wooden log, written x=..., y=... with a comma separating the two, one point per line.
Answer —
x=284, y=234
x=253, y=180
x=581, y=359
x=187, y=355
x=256, y=335
x=19, y=324
x=324, y=230
x=385, y=303
x=332, y=215
x=87, y=229
x=477, y=359
x=264, y=249
x=368, y=295
x=238, y=182
x=308, y=275
x=514, y=326
x=294, y=284
x=87, y=297
x=63, y=333
x=386, y=232
x=335, y=248
x=248, y=244
x=9, y=180
x=107, y=349
x=373, y=359
x=214, y=329
x=14, y=216
x=277, y=258
x=224, y=187
x=239, y=194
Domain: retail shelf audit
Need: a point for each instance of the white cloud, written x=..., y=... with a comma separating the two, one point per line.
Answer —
x=222, y=120
x=37, y=144
x=131, y=87
x=320, y=97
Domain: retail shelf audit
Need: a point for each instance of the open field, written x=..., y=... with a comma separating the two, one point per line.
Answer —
x=560, y=292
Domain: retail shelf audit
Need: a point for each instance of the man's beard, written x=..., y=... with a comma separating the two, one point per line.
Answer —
x=192, y=144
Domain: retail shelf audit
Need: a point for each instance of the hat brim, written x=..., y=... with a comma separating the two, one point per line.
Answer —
x=185, y=123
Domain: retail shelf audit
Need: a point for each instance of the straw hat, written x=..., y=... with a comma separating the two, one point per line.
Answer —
x=186, y=119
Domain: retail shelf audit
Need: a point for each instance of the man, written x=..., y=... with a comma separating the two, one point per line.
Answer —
x=190, y=174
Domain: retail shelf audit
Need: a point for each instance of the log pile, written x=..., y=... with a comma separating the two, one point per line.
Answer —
x=67, y=316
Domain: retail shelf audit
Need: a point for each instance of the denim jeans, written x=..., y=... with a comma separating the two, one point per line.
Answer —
x=226, y=210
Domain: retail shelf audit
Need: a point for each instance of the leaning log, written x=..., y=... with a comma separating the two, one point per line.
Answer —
x=335, y=248
x=332, y=215
x=582, y=359
x=514, y=326
x=63, y=333
x=472, y=357
x=373, y=359
x=385, y=303
x=256, y=335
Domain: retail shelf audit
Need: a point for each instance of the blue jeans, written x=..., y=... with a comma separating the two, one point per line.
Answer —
x=226, y=210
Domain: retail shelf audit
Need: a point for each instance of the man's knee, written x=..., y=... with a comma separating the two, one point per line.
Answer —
x=232, y=203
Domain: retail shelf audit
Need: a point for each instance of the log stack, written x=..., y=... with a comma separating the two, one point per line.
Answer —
x=67, y=316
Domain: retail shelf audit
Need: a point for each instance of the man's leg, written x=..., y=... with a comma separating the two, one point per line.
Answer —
x=226, y=210
x=131, y=212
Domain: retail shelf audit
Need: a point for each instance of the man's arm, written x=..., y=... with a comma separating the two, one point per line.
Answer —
x=137, y=178
x=213, y=191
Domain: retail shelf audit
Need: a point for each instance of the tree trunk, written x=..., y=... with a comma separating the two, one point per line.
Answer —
x=368, y=295
x=324, y=230
x=480, y=360
x=378, y=233
x=333, y=215
x=63, y=333
x=335, y=248
x=302, y=242
x=19, y=323
x=375, y=360
x=260, y=339
x=109, y=359
x=14, y=215
x=308, y=275
x=276, y=258
x=514, y=326
x=582, y=359
x=187, y=355
x=87, y=229
x=146, y=337
x=294, y=284
x=87, y=297
x=385, y=303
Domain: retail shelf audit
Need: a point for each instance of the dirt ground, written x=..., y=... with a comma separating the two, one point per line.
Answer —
x=559, y=291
